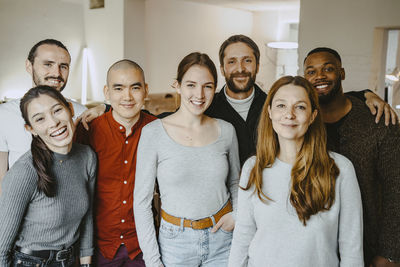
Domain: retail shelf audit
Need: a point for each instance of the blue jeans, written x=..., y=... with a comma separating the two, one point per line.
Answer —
x=185, y=247
x=20, y=259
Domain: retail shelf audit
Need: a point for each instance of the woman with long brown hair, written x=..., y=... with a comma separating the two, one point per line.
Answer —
x=196, y=163
x=46, y=202
x=298, y=204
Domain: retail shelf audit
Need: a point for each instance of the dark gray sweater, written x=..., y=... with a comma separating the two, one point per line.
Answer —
x=374, y=150
x=31, y=220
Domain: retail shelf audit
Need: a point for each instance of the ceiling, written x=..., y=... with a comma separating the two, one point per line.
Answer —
x=252, y=5
x=249, y=5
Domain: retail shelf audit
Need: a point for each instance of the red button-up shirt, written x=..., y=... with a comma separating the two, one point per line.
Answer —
x=113, y=208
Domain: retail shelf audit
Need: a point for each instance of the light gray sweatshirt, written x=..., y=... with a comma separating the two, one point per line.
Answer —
x=194, y=182
x=271, y=234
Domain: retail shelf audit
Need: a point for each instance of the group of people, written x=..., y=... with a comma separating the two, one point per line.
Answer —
x=305, y=176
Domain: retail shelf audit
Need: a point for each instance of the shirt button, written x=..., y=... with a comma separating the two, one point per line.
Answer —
x=125, y=161
x=125, y=182
x=121, y=236
x=126, y=142
x=124, y=201
x=122, y=220
x=121, y=127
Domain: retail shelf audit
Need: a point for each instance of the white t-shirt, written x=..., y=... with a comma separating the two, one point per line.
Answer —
x=14, y=139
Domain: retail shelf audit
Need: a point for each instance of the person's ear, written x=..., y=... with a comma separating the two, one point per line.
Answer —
x=29, y=67
x=342, y=74
x=221, y=67
x=313, y=116
x=30, y=129
x=105, y=92
x=71, y=107
x=177, y=86
x=146, y=90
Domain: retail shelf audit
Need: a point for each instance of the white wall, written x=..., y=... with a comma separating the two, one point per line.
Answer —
x=272, y=26
x=348, y=27
x=104, y=36
x=22, y=24
x=134, y=31
x=155, y=33
x=176, y=28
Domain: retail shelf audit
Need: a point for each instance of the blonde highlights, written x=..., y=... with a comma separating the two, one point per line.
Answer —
x=313, y=175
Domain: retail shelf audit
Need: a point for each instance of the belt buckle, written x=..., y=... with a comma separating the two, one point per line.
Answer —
x=63, y=254
x=191, y=224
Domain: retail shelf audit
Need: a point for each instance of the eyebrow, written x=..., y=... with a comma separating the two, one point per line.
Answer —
x=196, y=82
x=326, y=63
x=51, y=61
x=120, y=85
x=283, y=99
x=37, y=114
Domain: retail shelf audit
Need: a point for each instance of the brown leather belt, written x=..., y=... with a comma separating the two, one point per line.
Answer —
x=198, y=224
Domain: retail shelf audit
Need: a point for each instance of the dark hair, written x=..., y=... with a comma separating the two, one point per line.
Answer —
x=324, y=49
x=42, y=156
x=240, y=38
x=32, y=52
x=196, y=58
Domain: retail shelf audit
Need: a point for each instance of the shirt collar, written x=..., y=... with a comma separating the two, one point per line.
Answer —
x=119, y=127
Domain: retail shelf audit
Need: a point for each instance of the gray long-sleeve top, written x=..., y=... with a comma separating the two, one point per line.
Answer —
x=194, y=182
x=30, y=219
x=271, y=234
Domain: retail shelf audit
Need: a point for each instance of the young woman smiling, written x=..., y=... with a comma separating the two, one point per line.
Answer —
x=298, y=204
x=46, y=204
x=195, y=160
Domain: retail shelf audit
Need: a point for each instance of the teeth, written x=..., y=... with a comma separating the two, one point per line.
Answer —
x=197, y=102
x=62, y=130
x=322, y=86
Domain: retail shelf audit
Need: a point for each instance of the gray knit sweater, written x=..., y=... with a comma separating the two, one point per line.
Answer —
x=31, y=220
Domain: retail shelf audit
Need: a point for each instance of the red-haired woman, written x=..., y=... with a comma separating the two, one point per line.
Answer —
x=298, y=204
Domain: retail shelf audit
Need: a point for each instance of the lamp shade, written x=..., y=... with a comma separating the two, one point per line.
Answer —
x=394, y=76
x=283, y=45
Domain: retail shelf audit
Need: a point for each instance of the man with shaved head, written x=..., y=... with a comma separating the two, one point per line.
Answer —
x=114, y=137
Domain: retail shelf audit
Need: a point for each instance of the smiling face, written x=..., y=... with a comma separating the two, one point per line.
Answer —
x=50, y=66
x=197, y=89
x=325, y=73
x=240, y=69
x=52, y=122
x=126, y=91
x=291, y=113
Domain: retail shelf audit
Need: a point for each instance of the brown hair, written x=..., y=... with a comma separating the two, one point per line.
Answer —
x=240, y=38
x=32, y=52
x=314, y=172
x=42, y=156
x=196, y=58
